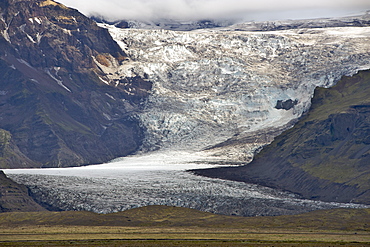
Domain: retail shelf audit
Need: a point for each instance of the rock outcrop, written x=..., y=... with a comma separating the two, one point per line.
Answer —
x=57, y=108
x=349, y=21
x=15, y=197
x=326, y=156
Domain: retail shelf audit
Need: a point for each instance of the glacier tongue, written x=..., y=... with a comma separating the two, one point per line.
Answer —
x=211, y=86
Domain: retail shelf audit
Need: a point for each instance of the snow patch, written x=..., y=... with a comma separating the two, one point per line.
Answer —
x=107, y=116
x=60, y=82
x=6, y=35
x=105, y=81
x=24, y=62
x=66, y=31
x=34, y=80
x=110, y=96
x=38, y=38
x=38, y=20
x=30, y=38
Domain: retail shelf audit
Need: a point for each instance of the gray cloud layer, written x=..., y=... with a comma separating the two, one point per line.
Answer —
x=216, y=9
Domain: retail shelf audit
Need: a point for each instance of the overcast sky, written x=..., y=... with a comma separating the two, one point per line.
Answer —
x=247, y=10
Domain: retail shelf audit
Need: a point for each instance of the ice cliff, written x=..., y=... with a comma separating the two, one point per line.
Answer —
x=230, y=92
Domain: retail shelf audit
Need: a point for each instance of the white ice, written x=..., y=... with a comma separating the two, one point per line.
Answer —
x=158, y=178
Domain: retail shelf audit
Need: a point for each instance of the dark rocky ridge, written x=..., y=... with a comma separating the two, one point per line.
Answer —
x=350, y=21
x=326, y=156
x=15, y=197
x=234, y=25
x=173, y=25
x=57, y=108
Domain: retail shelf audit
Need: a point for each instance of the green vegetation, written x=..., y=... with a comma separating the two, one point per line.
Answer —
x=8, y=152
x=333, y=138
x=348, y=92
x=169, y=217
x=4, y=141
x=172, y=226
x=326, y=155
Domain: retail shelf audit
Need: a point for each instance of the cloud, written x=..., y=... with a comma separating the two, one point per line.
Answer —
x=217, y=9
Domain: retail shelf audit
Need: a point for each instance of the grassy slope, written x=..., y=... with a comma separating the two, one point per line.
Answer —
x=165, y=216
x=337, y=162
x=326, y=155
x=190, y=228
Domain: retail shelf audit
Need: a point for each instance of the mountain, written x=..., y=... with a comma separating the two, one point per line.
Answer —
x=57, y=107
x=73, y=92
x=326, y=155
x=349, y=21
x=166, y=24
x=15, y=197
x=237, y=25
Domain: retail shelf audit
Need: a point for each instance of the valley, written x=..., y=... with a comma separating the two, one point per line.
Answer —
x=180, y=104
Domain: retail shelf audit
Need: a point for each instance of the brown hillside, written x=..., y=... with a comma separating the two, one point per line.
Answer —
x=14, y=197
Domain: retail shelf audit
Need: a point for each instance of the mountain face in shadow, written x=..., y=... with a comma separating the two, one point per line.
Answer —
x=326, y=155
x=57, y=108
x=15, y=197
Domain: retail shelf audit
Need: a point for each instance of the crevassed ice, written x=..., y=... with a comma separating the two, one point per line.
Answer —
x=213, y=85
x=158, y=178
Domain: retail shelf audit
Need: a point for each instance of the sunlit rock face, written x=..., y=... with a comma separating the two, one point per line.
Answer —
x=223, y=90
x=57, y=108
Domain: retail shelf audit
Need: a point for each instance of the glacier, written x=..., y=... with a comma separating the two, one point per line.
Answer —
x=158, y=178
x=215, y=100
x=216, y=85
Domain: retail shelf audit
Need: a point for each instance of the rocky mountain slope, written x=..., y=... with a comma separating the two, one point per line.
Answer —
x=326, y=156
x=70, y=95
x=166, y=24
x=229, y=91
x=57, y=108
x=238, y=25
x=349, y=21
x=15, y=197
